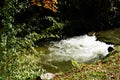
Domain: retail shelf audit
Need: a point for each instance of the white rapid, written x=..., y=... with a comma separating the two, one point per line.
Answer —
x=81, y=48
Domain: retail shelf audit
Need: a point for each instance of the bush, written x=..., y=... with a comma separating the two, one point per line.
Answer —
x=19, y=30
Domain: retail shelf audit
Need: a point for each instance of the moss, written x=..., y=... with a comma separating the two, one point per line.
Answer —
x=110, y=36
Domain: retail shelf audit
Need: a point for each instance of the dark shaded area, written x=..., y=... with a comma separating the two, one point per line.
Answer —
x=24, y=16
x=88, y=15
x=79, y=16
x=1, y=16
x=1, y=26
x=1, y=3
x=35, y=18
x=38, y=78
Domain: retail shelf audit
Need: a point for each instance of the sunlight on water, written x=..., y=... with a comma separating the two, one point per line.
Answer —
x=81, y=48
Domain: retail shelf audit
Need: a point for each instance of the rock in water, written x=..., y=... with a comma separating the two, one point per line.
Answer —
x=110, y=49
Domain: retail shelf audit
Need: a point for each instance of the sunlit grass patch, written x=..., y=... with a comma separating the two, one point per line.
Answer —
x=29, y=66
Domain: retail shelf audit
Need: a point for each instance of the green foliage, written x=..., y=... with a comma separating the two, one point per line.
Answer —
x=19, y=59
x=23, y=24
x=75, y=64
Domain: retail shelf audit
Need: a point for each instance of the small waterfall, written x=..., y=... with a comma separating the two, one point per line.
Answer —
x=82, y=48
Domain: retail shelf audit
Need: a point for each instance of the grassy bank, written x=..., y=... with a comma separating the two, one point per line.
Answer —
x=106, y=69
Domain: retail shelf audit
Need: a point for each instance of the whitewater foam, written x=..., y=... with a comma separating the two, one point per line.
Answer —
x=81, y=48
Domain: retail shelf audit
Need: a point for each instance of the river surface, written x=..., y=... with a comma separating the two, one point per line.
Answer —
x=82, y=48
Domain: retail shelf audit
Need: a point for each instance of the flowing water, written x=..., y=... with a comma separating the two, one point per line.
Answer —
x=80, y=48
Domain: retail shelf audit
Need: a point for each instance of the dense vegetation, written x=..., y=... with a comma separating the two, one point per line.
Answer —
x=25, y=23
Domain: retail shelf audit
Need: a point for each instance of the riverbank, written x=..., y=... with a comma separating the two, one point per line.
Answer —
x=106, y=69
x=111, y=36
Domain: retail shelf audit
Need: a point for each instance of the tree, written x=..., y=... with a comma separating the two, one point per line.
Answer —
x=49, y=4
